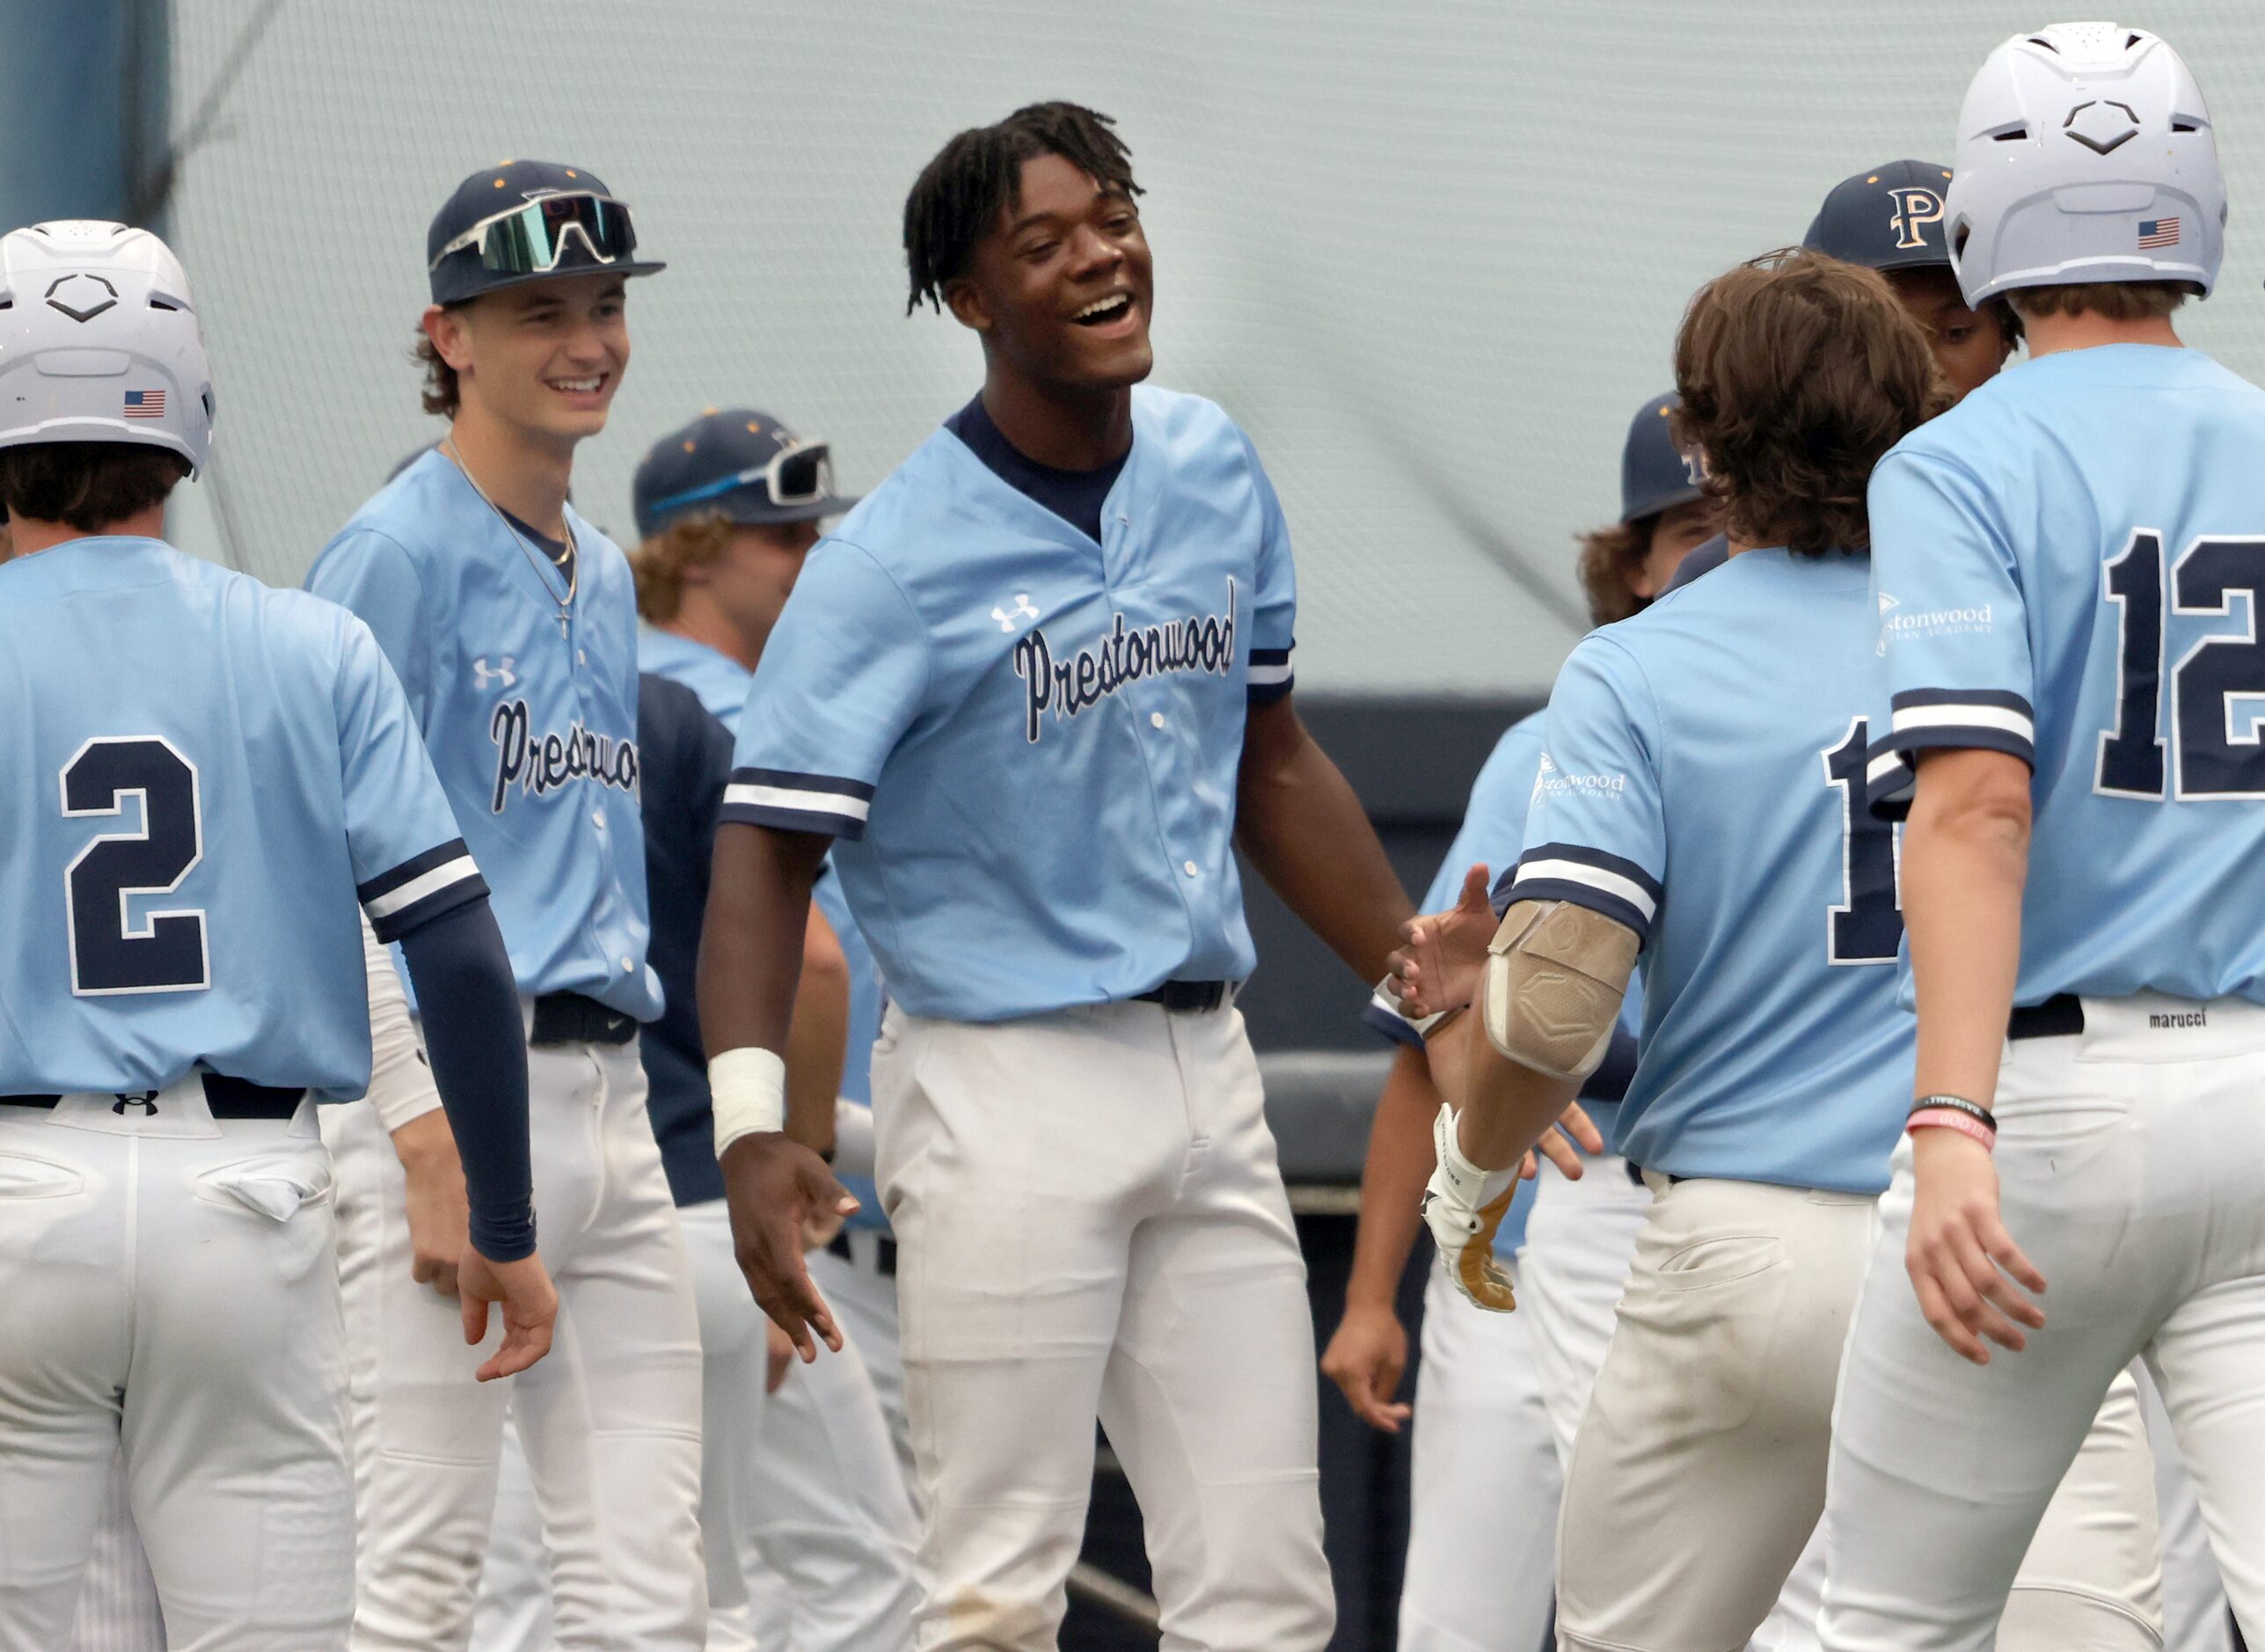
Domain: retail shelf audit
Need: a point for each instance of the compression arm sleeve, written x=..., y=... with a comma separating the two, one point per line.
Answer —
x=477, y=1046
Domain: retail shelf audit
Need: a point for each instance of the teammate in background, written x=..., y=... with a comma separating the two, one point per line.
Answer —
x=1038, y=686
x=512, y=624
x=1703, y=742
x=823, y=1532
x=184, y=857
x=1498, y=1395
x=2058, y=565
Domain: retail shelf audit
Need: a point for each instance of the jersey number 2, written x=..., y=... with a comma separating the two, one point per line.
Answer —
x=2213, y=760
x=109, y=952
x=1866, y=924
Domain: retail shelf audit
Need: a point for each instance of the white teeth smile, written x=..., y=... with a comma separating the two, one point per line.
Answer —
x=578, y=386
x=1102, y=306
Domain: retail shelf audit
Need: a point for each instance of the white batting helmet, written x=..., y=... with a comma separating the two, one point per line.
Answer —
x=2085, y=154
x=98, y=342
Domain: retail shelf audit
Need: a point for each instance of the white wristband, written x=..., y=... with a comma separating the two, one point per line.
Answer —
x=749, y=1089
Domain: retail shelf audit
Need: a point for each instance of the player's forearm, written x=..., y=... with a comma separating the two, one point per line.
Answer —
x=751, y=937
x=477, y=1044
x=1391, y=1181
x=817, y=1038
x=1305, y=831
x=1502, y=1107
x=1964, y=862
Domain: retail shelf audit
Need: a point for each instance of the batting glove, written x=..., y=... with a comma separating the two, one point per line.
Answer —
x=1464, y=1207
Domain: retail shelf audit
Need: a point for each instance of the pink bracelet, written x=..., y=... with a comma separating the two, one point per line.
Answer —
x=1951, y=1119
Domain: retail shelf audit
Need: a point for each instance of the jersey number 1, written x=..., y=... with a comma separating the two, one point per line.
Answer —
x=109, y=952
x=1869, y=923
x=2212, y=760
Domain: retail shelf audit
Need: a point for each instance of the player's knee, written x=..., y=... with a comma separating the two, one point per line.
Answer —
x=1555, y=975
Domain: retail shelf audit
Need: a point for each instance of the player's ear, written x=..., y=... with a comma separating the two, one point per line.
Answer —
x=445, y=327
x=967, y=304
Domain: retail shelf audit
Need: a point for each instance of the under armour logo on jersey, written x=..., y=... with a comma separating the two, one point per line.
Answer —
x=483, y=673
x=146, y=1099
x=1022, y=610
x=1915, y=209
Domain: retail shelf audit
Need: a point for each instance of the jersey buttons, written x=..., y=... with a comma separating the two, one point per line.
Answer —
x=1187, y=867
x=1155, y=720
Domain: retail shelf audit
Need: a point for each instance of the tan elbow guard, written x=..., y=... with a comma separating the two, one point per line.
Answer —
x=1555, y=975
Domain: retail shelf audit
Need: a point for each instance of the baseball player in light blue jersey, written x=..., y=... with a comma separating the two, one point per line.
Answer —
x=1700, y=800
x=512, y=623
x=184, y=853
x=1498, y=1396
x=2065, y=568
x=1036, y=686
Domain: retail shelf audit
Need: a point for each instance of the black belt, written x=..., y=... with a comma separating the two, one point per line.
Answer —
x=2060, y=1016
x=228, y=1098
x=1188, y=995
x=569, y=1018
x=885, y=1263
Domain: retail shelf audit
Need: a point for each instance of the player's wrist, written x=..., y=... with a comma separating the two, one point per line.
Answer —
x=747, y=1088
x=1955, y=1114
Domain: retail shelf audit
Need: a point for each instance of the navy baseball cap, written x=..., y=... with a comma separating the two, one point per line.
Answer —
x=737, y=462
x=1655, y=474
x=1890, y=217
x=528, y=220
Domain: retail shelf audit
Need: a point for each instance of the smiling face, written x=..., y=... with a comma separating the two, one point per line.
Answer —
x=545, y=357
x=1969, y=346
x=1062, y=286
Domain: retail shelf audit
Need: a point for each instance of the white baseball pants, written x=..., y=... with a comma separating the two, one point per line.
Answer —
x=2195, y=1615
x=863, y=1300
x=118, y=1609
x=804, y=1516
x=1092, y=1221
x=166, y=1284
x=1482, y=1534
x=2127, y=1158
x=610, y=1419
x=1698, y=1473
x=1580, y=1242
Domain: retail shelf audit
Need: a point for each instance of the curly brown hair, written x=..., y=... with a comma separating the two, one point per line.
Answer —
x=659, y=563
x=1797, y=373
x=89, y=485
x=1610, y=558
x=443, y=395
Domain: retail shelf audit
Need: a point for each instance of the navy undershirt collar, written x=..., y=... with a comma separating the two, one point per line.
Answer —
x=1076, y=496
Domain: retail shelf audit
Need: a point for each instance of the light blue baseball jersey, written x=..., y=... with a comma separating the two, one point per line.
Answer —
x=721, y=684
x=1703, y=784
x=719, y=680
x=207, y=773
x=534, y=732
x=2069, y=565
x=1029, y=741
x=1492, y=835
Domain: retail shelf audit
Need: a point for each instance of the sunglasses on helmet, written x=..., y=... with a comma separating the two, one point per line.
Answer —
x=800, y=475
x=529, y=239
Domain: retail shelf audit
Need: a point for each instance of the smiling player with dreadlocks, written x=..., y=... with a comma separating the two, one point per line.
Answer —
x=1032, y=692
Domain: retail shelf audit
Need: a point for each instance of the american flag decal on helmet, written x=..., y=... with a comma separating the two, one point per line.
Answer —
x=2159, y=232
x=145, y=403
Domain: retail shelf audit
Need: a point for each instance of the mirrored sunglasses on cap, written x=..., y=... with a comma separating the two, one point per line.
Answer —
x=530, y=239
x=800, y=475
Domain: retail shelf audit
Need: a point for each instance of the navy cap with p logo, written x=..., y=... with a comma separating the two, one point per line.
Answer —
x=1890, y=217
x=1655, y=474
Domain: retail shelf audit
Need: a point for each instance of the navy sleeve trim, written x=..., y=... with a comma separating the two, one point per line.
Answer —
x=1887, y=779
x=1988, y=719
x=1616, y=906
x=1594, y=861
x=1271, y=674
x=1388, y=1020
x=793, y=801
x=420, y=889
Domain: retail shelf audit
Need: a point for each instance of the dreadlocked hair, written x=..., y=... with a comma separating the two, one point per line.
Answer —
x=958, y=195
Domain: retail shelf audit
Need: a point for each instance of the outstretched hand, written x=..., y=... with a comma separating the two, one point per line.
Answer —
x=1442, y=955
x=776, y=1189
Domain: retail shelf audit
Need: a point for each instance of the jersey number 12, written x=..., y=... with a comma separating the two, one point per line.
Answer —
x=2211, y=760
x=110, y=953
